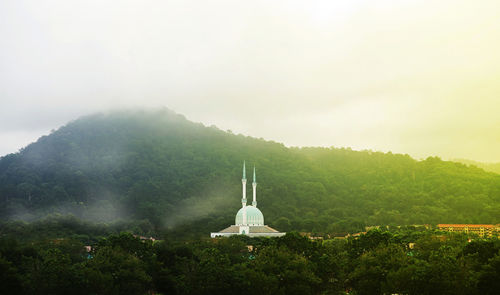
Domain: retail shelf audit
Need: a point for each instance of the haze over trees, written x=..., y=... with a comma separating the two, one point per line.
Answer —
x=160, y=170
x=492, y=167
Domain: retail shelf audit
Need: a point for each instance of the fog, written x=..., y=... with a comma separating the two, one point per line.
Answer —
x=416, y=77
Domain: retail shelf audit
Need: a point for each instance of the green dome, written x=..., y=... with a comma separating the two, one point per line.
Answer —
x=254, y=216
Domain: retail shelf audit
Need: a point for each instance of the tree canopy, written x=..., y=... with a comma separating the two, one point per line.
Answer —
x=375, y=263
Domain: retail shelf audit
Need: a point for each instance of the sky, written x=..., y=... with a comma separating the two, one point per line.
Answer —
x=415, y=77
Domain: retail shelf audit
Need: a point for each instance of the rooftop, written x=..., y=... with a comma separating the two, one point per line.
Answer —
x=466, y=225
x=253, y=229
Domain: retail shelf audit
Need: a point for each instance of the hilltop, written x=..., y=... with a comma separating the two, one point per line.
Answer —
x=159, y=168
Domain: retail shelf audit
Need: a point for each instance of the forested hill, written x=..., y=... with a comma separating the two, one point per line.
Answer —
x=493, y=167
x=160, y=167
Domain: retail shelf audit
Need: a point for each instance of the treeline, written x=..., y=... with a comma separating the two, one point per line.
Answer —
x=375, y=263
x=492, y=167
x=69, y=226
x=160, y=167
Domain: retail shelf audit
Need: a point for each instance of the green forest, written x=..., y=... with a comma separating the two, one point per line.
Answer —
x=111, y=181
x=493, y=167
x=160, y=171
x=406, y=261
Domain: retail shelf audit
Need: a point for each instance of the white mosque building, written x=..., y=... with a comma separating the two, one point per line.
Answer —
x=249, y=219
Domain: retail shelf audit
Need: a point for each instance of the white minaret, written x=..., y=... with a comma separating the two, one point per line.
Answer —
x=254, y=186
x=244, y=199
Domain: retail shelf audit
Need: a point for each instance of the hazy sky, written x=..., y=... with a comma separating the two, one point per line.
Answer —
x=416, y=77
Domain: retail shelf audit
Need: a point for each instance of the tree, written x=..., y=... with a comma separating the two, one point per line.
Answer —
x=488, y=277
x=115, y=271
x=284, y=272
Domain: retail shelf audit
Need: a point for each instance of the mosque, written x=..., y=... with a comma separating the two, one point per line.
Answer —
x=249, y=219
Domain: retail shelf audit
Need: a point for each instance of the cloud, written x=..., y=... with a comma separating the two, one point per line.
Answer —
x=417, y=77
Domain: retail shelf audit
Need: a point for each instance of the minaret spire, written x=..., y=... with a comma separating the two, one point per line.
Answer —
x=254, y=186
x=244, y=198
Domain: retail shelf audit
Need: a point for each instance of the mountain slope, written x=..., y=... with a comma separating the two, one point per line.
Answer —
x=492, y=167
x=161, y=167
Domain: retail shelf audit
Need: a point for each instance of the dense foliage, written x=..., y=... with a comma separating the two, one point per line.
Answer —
x=375, y=263
x=159, y=168
x=493, y=167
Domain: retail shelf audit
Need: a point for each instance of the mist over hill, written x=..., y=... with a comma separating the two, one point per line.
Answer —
x=492, y=167
x=160, y=168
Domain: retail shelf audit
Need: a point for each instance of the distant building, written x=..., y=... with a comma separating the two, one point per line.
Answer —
x=249, y=219
x=143, y=238
x=312, y=236
x=482, y=230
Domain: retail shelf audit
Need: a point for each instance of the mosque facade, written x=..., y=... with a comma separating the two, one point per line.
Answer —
x=249, y=219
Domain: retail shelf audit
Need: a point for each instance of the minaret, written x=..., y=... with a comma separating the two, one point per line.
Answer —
x=244, y=199
x=254, y=186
